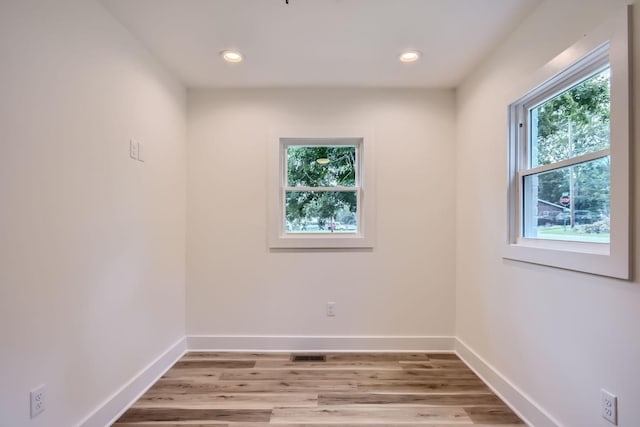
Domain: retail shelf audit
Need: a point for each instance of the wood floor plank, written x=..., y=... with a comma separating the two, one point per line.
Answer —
x=498, y=415
x=433, y=364
x=443, y=356
x=176, y=414
x=376, y=357
x=425, y=380
x=423, y=387
x=213, y=364
x=335, y=374
x=400, y=399
x=230, y=400
x=186, y=373
x=229, y=355
x=281, y=364
x=197, y=386
x=372, y=415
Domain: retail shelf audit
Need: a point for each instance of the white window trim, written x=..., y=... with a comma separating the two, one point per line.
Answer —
x=277, y=235
x=611, y=259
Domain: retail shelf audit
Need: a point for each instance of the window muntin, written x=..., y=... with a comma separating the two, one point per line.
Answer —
x=566, y=139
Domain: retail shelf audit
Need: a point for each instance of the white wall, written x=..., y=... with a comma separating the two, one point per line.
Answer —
x=92, y=260
x=560, y=336
x=236, y=286
x=92, y=243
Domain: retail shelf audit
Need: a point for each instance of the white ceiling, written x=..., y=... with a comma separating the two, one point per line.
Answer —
x=320, y=42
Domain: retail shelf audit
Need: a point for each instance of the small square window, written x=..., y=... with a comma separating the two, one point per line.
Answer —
x=318, y=196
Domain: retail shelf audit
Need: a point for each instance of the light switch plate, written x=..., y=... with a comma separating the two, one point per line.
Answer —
x=141, y=152
x=134, y=149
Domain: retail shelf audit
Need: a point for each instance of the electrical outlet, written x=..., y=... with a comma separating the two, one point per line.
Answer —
x=38, y=400
x=331, y=309
x=609, y=406
x=133, y=149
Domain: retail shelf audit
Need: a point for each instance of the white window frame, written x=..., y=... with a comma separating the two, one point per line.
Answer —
x=364, y=235
x=607, y=44
x=586, y=67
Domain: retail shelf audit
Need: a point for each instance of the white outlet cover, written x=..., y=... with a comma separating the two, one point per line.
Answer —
x=331, y=309
x=38, y=400
x=609, y=406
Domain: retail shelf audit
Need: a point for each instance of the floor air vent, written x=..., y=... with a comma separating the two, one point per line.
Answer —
x=309, y=358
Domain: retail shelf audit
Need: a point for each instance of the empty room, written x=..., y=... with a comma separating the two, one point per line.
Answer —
x=319, y=212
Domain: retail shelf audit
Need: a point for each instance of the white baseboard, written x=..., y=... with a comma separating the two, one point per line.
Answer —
x=110, y=410
x=521, y=403
x=320, y=343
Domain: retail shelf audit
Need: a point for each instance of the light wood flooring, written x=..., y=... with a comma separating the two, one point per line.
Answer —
x=349, y=389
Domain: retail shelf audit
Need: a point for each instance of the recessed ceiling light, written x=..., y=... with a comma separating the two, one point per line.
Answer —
x=231, y=56
x=409, y=56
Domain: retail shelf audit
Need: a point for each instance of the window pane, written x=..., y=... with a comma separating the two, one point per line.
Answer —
x=572, y=123
x=321, y=212
x=571, y=203
x=321, y=166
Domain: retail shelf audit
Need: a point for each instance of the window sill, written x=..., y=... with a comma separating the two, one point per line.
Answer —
x=310, y=241
x=565, y=246
x=592, y=258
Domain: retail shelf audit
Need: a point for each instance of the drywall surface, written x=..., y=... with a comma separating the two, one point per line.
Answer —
x=403, y=287
x=92, y=255
x=558, y=335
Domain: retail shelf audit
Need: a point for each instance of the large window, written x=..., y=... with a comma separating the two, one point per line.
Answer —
x=320, y=199
x=566, y=139
x=569, y=184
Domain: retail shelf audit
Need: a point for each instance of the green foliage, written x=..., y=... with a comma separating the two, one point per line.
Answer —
x=590, y=189
x=573, y=123
x=586, y=107
x=602, y=226
x=304, y=170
